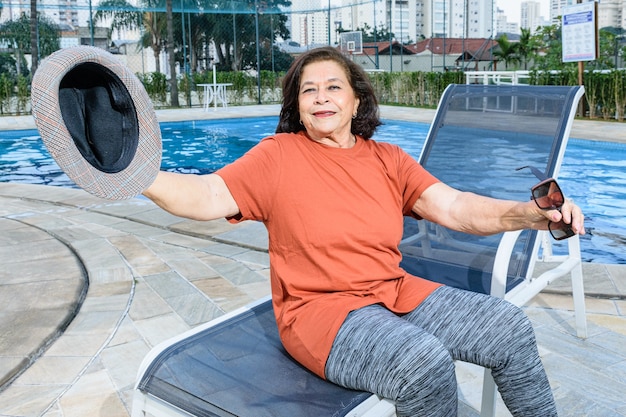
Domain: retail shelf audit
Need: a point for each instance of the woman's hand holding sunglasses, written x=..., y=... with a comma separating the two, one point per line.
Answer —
x=566, y=218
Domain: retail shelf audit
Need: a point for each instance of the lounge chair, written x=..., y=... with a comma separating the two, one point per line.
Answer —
x=478, y=139
x=236, y=365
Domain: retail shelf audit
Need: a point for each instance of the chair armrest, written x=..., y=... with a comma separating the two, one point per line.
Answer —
x=501, y=263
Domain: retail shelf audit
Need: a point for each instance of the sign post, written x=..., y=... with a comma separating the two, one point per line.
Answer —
x=580, y=37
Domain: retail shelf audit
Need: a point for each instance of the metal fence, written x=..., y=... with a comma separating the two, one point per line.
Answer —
x=213, y=40
x=234, y=35
x=247, y=45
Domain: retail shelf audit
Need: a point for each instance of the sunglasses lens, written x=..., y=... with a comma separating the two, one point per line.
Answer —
x=560, y=230
x=548, y=195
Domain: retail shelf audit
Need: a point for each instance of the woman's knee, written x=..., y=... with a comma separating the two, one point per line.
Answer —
x=516, y=324
x=429, y=386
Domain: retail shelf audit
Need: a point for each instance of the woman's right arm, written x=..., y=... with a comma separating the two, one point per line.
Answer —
x=197, y=197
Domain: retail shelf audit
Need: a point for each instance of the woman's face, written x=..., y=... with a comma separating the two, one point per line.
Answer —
x=327, y=103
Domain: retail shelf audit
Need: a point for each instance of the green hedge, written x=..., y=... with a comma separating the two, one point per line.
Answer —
x=417, y=89
x=14, y=94
x=605, y=92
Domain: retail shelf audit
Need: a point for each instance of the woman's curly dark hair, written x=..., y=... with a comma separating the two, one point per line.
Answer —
x=367, y=118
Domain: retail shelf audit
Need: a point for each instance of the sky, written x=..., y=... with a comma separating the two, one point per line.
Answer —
x=512, y=9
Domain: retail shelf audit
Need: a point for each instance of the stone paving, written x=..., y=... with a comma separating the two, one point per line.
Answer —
x=146, y=278
x=89, y=286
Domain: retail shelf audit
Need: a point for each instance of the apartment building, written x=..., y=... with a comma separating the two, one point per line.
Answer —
x=66, y=13
x=502, y=24
x=530, y=16
x=612, y=13
x=412, y=20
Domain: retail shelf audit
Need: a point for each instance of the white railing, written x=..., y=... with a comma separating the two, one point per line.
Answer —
x=497, y=77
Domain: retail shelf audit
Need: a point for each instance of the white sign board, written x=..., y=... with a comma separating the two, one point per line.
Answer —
x=579, y=33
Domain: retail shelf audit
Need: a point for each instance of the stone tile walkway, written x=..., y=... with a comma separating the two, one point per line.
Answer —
x=150, y=276
x=136, y=276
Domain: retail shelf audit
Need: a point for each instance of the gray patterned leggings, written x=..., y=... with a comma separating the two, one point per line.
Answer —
x=409, y=358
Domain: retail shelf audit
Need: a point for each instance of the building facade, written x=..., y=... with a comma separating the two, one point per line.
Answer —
x=413, y=20
x=458, y=18
x=65, y=13
x=612, y=13
x=530, y=16
x=502, y=24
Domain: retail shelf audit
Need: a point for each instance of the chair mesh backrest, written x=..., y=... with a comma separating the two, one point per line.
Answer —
x=480, y=135
x=240, y=368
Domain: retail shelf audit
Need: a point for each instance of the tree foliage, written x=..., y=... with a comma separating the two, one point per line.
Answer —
x=17, y=35
x=507, y=51
x=543, y=50
x=525, y=48
x=149, y=17
x=7, y=64
x=235, y=34
x=611, y=47
x=198, y=23
x=273, y=60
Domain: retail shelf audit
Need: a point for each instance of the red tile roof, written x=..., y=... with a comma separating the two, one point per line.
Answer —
x=439, y=46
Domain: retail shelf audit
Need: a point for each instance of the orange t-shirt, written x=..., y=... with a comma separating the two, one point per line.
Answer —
x=334, y=218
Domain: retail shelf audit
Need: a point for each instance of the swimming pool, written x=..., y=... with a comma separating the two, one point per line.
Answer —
x=593, y=173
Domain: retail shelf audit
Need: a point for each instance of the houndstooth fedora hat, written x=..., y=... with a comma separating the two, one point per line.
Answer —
x=97, y=122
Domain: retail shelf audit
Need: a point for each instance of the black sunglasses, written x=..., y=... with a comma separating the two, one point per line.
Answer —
x=548, y=196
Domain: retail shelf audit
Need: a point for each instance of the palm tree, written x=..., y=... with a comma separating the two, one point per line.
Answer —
x=170, y=53
x=197, y=44
x=525, y=46
x=507, y=51
x=232, y=34
x=124, y=15
x=34, y=41
x=189, y=33
x=155, y=25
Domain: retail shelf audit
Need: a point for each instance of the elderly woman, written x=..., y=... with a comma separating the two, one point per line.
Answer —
x=333, y=202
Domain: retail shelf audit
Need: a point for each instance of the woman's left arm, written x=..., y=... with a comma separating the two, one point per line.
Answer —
x=472, y=213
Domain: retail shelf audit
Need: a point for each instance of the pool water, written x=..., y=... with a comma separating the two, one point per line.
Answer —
x=593, y=173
